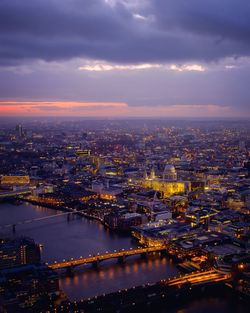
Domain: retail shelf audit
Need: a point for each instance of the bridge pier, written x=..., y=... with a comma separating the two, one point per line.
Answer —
x=95, y=264
x=121, y=259
x=163, y=252
x=70, y=271
x=13, y=228
x=144, y=255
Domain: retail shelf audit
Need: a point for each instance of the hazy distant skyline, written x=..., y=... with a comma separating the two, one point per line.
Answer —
x=124, y=58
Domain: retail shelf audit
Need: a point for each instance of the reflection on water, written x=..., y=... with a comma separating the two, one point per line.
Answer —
x=112, y=276
x=62, y=239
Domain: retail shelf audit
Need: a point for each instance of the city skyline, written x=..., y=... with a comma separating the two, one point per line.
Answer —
x=124, y=156
x=120, y=58
x=128, y=215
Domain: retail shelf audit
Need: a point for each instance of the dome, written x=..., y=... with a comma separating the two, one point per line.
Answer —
x=169, y=173
x=169, y=169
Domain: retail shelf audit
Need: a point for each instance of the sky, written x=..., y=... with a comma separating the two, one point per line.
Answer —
x=125, y=58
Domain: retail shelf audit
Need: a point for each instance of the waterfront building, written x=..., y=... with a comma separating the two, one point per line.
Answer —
x=116, y=220
x=27, y=287
x=20, y=251
x=15, y=180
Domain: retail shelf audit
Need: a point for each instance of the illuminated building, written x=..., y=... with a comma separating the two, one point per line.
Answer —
x=124, y=221
x=178, y=204
x=161, y=216
x=65, y=195
x=105, y=192
x=243, y=283
x=169, y=173
x=197, y=185
x=96, y=160
x=29, y=288
x=196, y=216
x=50, y=199
x=18, y=252
x=108, y=170
x=110, y=193
x=15, y=180
x=235, y=203
x=83, y=153
x=168, y=185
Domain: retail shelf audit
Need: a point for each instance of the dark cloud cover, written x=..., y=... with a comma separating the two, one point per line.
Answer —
x=174, y=30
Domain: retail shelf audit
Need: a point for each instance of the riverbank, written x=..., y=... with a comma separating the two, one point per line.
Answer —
x=197, y=299
x=64, y=239
x=78, y=212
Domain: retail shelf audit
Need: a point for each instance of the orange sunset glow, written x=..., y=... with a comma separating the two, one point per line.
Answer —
x=61, y=108
x=109, y=109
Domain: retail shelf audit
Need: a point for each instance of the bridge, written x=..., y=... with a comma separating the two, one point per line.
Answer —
x=197, y=278
x=135, y=299
x=13, y=226
x=95, y=259
x=13, y=194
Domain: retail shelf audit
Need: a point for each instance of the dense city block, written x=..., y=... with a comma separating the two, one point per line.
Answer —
x=180, y=190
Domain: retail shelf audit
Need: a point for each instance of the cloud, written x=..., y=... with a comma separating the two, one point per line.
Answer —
x=185, y=110
x=124, y=32
x=188, y=68
x=231, y=66
x=107, y=67
x=140, y=17
x=47, y=107
x=221, y=20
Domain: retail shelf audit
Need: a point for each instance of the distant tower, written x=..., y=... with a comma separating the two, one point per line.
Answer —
x=145, y=175
x=19, y=130
x=152, y=173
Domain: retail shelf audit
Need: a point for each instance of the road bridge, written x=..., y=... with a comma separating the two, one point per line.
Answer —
x=95, y=259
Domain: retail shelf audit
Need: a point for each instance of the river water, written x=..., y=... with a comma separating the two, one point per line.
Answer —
x=63, y=239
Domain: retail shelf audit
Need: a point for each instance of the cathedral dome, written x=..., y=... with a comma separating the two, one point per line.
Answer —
x=169, y=169
x=169, y=172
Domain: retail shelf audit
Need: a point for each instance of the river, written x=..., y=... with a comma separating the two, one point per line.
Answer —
x=63, y=239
